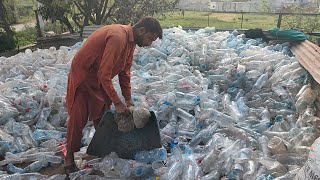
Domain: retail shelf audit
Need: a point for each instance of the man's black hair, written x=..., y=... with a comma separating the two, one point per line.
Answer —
x=150, y=24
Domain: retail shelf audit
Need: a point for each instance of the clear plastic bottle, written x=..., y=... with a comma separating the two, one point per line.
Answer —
x=204, y=133
x=213, y=115
x=226, y=100
x=306, y=99
x=214, y=175
x=170, y=129
x=264, y=123
x=143, y=171
x=232, y=149
x=36, y=166
x=243, y=108
x=188, y=97
x=41, y=134
x=174, y=171
x=184, y=115
x=49, y=158
x=164, y=111
x=273, y=166
x=252, y=168
x=243, y=155
x=265, y=177
x=188, y=171
x=44, y=114
x=13, y=169
x=260, y=82
x=263, y=141
x=82, y=174
x=20, y=144
x=236, y=173
x=234, y=111
x=121, y=167
x=159, y=154
x=23, y=176
x=208, y=164
x=57, y=177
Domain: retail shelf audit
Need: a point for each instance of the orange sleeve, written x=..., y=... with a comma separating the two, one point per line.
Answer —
x=124, y=79
x=114, y=47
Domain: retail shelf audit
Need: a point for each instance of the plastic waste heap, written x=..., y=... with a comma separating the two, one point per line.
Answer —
x=228, y=107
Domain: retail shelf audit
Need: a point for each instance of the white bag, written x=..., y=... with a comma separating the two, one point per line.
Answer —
x=311, y=170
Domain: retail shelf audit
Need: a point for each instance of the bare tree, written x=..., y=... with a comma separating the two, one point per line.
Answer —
x=86, y=12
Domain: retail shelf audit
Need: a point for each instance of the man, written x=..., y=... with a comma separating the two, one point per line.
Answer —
x=106, y=53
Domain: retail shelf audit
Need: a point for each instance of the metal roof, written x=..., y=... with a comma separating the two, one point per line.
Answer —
x=308, y=54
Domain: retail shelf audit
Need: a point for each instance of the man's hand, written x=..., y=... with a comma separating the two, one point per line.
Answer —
x=121, y=108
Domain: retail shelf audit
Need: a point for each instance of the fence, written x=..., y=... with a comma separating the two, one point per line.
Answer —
x=278, y=16
x=247, y=6
x=235, y=20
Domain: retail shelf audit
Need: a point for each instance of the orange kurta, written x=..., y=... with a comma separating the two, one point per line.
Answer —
x=106, y=53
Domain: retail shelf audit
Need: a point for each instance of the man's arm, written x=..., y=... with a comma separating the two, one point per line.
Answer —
x=124, y=81
x=112, y=52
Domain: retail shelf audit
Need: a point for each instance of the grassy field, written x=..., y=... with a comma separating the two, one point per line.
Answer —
x=218, y=20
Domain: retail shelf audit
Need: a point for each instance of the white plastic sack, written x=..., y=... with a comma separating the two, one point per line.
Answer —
x=311, y=170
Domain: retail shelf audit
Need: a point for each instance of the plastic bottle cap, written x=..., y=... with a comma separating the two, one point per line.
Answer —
x=269, y=125
x=174, y=144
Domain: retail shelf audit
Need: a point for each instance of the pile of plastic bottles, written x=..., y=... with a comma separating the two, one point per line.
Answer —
x=228, y=107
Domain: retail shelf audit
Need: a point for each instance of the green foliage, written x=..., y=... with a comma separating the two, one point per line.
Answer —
x=265, y=7
x=26, y=37
x=306, y=23
x=10, y=11
x=7, y=42
x=129, y=11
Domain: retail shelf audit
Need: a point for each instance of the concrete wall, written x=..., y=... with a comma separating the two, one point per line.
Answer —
x=237, y=7
x=229, y=6
x=194, y=5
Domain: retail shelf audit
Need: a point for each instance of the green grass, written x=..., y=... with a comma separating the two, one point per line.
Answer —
x=218, y=20
x=26, y=37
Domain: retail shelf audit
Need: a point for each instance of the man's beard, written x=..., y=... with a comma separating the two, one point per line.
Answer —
x=139, y=40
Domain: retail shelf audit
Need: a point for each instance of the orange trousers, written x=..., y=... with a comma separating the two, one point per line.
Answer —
x=84, y=108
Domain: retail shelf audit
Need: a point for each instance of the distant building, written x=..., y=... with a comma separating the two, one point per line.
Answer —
x=194, y=5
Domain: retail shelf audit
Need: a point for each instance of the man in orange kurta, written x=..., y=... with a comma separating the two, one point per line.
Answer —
x=106, y=53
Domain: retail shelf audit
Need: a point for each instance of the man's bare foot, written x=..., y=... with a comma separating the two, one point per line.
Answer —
x=69, y=164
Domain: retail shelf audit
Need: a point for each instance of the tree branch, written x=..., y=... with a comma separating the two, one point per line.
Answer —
x=79, y=6
x=104, y=9
x=109, y=13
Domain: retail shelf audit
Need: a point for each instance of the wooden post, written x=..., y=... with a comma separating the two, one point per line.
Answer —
x=39, y=32
x=241, y=19
x=279, y=20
